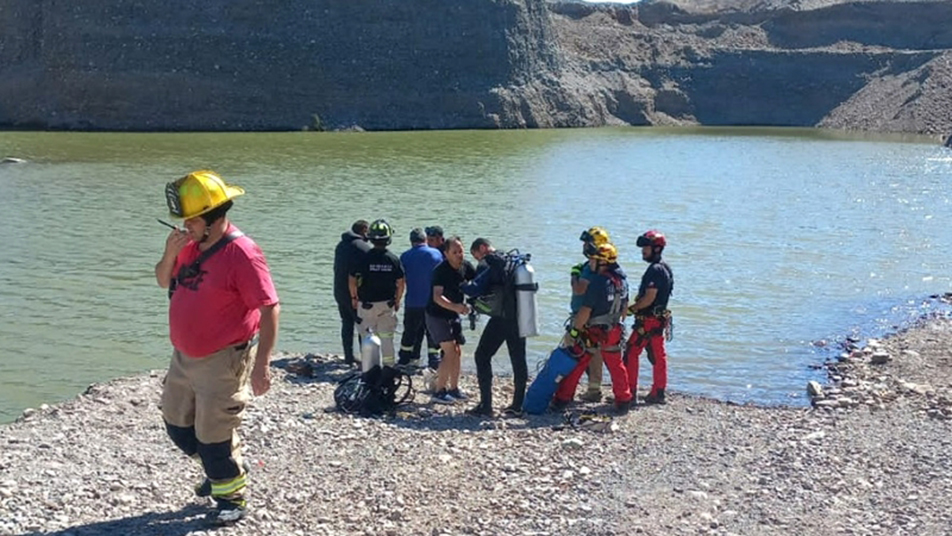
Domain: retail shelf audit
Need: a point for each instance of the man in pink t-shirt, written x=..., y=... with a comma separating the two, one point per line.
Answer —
x=223, y=324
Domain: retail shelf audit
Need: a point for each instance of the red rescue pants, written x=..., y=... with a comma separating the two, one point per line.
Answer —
x=608, y=342
x=649, y=336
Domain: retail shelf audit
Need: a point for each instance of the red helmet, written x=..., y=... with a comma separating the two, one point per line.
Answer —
x=652, y=238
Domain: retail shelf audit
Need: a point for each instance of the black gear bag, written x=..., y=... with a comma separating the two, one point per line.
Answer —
x=379, y=391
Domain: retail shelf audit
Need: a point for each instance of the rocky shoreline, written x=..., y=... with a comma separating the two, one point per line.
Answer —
x=870, y=457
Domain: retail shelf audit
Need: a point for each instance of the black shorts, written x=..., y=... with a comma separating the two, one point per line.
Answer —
x=445, y=329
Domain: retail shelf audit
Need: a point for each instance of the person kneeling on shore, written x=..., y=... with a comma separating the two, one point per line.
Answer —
x=223, y=324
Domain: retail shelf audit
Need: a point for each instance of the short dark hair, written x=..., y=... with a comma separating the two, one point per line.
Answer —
x=214, y=214
x=360, y=227
x=434, y=230
x=479, y=242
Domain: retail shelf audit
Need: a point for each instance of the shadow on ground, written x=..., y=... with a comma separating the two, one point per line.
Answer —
x=188, y=520
x=418, y=414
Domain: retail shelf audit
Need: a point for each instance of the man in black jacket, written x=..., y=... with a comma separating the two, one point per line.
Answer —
x=351, y=249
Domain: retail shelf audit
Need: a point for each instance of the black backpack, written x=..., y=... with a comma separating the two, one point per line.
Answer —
x=379, y=391
x=500, y=300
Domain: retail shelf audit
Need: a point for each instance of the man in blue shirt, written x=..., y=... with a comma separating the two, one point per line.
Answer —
x=418, y=264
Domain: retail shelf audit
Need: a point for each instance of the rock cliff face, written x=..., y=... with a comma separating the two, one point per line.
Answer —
x=881, y=66
x=424, y=64
x=249, y=64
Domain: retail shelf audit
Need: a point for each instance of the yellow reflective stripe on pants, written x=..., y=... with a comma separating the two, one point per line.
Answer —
x=229, y=487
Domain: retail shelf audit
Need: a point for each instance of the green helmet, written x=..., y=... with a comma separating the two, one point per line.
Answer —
x=380, y=231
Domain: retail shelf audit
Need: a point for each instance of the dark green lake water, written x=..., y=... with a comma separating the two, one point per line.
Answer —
x=778, y=238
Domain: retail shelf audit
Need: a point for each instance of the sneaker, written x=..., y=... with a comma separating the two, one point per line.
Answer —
x=228, y=512
x=592, y=396
x=457, y=394
x=204, y=489
x=480, y=410
x=558, y=405
x=442, y=397
x=512, y=412
x=655, y=397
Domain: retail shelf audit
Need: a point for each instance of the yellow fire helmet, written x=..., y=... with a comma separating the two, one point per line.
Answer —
x=606, y=253
x=595, y=236
x=197, y=193
x=592, y=238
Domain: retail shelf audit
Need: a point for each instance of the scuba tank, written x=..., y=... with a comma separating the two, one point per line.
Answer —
x=369, y=351
x=526, y=288
x=560, y=364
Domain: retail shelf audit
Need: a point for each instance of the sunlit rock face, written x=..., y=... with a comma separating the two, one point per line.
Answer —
x=432, y=64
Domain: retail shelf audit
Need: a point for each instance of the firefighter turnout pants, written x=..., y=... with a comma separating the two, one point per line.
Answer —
x=648, y=335
x=203, y=400
x=381, y=318
x=608, y=343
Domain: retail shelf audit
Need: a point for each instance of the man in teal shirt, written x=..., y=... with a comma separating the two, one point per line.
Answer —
x=581, y=275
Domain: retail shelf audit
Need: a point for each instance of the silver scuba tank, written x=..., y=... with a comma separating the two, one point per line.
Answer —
x=526, y=289
x=369, y=351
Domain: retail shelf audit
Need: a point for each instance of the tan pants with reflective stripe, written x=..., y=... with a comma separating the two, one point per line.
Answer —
x=209, y=393
x=382, y=319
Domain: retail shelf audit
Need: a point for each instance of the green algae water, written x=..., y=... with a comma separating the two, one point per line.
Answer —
x=778, y=238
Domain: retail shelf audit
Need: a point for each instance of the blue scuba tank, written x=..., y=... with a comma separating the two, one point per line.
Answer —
x=559, y=364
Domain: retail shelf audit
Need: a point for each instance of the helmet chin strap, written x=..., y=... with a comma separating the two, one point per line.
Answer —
x=208, y=229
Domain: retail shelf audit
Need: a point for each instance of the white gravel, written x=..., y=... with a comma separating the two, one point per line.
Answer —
x=880, y=464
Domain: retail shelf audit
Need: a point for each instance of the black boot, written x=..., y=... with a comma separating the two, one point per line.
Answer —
x=481, y=410
x=622, y=408
x=655, y=397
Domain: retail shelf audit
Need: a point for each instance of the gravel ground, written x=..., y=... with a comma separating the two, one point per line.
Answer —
x=870, y=457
